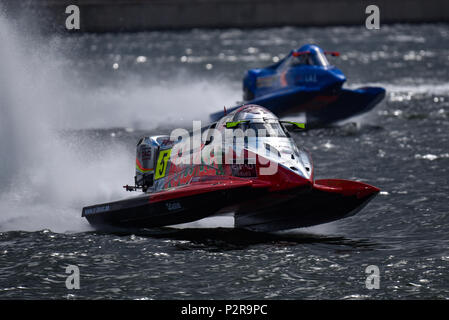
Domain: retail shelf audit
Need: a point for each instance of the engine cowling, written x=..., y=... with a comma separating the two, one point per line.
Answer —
x=147, y=152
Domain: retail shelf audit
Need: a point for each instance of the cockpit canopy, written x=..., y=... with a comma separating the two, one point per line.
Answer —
x=311, y=55
x=268, y=129
x=262, y=122
x=253, y=112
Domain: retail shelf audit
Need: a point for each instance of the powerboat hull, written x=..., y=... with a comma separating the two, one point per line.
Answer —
x=255, y=207
x=321, y=108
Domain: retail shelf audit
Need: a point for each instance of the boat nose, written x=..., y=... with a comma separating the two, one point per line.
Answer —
x=367, y=191
x=337, y=75
x=348, y=188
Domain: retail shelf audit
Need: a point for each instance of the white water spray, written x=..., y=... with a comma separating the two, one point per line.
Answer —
x=45, y=177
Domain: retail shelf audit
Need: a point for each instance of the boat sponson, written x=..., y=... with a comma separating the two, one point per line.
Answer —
x=328, y=200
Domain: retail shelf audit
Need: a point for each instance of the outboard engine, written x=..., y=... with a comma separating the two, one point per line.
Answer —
x=146, y=156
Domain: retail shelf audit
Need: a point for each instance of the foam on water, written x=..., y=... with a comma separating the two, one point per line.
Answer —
x=430, y=88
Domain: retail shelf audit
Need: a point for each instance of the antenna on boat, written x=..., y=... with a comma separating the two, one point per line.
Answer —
x=224, y=109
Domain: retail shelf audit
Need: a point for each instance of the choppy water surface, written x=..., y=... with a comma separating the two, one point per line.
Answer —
x=73, y=108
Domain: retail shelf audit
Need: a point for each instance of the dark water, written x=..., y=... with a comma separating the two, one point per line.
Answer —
x=401, y=147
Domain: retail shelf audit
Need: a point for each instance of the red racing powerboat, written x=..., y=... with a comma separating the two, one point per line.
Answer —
x=246, y=164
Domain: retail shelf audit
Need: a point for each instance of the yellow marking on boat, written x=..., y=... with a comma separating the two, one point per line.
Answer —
x=161, y=167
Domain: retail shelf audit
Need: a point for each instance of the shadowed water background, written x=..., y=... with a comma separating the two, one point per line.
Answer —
x=94, y=95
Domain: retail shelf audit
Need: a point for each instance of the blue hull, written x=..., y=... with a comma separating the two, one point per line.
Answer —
x=321, y=108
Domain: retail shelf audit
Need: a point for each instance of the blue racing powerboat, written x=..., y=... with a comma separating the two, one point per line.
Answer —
x=304, y=82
